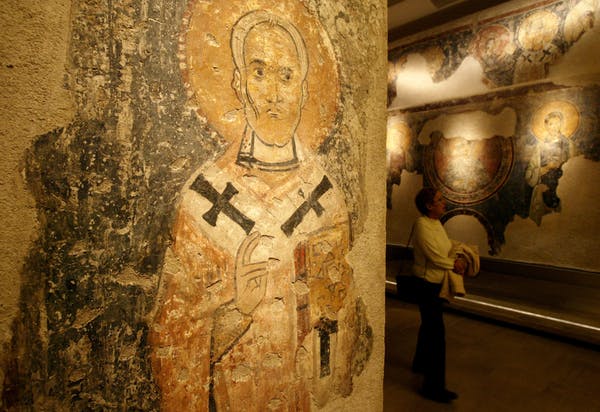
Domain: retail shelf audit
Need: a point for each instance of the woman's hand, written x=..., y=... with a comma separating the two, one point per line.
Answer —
x=460, y=265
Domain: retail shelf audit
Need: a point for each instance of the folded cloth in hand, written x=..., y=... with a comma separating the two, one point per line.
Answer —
x=453, y=283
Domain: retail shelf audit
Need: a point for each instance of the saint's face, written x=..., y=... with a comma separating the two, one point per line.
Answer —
x=274, y=84
x=553, y=126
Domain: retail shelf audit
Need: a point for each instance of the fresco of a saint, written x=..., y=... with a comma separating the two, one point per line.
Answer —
x=399, y=154
x=536, y=35
x=552, y=125
x=257, y=309
x=493, y=47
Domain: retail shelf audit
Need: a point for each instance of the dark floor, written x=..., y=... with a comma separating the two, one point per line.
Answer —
x=492, y=366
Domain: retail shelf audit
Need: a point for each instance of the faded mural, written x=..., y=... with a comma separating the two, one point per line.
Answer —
x=499, y=153
x=257, y=309
x=514, y=48
x=195, y=215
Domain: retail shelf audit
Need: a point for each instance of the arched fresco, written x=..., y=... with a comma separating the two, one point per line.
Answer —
x=468, y=171
x=512, y=166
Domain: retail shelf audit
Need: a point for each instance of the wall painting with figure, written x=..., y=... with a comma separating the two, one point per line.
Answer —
x=199, y=213
x=510, y=163
x=257, y=309
x=496, y=147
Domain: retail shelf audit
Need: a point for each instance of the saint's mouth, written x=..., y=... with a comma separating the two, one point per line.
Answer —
x=274, y=114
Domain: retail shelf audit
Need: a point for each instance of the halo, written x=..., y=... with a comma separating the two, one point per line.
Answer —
x=529, y=33
x=579, y=20
x=569, y=113
x=497, y=31
x=500, y=172
x=207, y=66
x=399, y=135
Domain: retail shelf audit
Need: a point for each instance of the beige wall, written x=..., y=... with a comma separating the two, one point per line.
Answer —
x=33, y=50
x=368, y=253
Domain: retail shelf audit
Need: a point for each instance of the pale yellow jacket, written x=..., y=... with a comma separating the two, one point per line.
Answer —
x=431, y=248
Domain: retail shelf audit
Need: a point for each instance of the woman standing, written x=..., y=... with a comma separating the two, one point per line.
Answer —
x=431, y=250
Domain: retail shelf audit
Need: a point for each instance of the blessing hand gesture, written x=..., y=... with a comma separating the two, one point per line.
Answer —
x=250, y=277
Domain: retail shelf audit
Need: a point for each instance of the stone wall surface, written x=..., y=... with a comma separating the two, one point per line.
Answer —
x=105, y=133
x=33, y=56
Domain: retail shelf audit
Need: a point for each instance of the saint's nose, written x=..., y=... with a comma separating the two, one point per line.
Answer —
x=274, y=94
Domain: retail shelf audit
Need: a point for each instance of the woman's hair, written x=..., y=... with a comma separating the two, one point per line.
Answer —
x=424, y=198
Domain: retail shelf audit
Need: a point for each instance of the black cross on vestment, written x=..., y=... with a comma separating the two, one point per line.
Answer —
x=326, y=328
x=221, y=203
x=312, y=203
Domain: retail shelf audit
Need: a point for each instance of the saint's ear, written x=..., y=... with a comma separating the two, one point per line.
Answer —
x=236, y=83
x=304, y=93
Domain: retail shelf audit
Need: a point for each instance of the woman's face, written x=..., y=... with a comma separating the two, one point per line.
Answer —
x=437, y=207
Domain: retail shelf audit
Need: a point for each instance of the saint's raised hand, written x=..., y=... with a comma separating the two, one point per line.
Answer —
x=250, y=277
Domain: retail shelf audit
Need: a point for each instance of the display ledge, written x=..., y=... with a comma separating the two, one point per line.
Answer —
x=522, y=316
x=528, y=317
x=563, y=302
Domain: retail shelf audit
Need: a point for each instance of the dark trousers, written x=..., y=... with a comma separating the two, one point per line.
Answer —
x=430, y=355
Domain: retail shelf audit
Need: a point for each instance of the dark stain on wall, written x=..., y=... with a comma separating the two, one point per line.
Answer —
x=105, y=188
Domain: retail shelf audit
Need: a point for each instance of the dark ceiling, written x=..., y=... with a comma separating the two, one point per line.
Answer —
x=448, y=10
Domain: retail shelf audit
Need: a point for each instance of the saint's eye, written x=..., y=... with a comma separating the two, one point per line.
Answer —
x=259, y=72
x=286, y=74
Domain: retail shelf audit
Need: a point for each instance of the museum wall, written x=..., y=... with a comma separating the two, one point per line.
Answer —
x=500, y=111
x=193, y=199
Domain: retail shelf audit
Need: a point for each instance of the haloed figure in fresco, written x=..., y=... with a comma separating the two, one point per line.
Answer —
x=257, y=309
x=545, y=167
x=271, y=84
